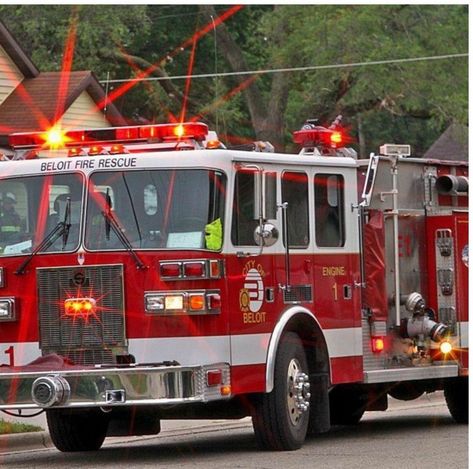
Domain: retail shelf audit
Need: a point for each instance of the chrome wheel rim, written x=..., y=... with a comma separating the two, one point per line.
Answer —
x=298, y=391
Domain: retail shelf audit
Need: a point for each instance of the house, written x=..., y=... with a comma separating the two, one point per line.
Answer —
x=451, y=145
x=29, y=98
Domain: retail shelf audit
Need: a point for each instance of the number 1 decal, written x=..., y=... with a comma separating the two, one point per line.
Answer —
x=10, y=351
x=335, y=293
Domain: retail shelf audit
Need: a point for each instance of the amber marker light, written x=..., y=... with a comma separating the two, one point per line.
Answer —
x=117, y=149
x=95, y=150
x=197, y=302
x=212, y=144
x=75, y=152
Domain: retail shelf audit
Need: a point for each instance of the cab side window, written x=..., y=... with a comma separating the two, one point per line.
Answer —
x=243, y=223
x=294, y=191
x=329, y=212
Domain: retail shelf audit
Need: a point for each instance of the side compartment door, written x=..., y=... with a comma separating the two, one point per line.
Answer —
x=461, y=261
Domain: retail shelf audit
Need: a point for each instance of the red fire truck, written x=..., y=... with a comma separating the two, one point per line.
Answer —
x=151, y=273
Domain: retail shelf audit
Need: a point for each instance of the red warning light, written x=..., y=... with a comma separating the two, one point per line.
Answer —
x=377, y=344
x=80, y=307
x=57, y=138
x=336, y=138
x=320, y=136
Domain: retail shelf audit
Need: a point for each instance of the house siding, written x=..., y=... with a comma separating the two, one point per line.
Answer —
x=10, y=75
x=83, y=113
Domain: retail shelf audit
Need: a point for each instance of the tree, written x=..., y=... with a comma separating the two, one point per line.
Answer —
x=320, y=35
x=410, y=102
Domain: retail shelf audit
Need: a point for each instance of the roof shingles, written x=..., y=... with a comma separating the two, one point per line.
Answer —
x=33, y=104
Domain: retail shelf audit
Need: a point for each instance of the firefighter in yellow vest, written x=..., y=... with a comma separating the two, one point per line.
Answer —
x=10, y=222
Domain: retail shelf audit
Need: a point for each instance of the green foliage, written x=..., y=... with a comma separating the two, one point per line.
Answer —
x=17, y=427
x=410, y=102
x=434, y=91
x=42, y=31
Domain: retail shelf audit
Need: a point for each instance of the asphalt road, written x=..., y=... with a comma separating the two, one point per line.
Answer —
x=419, y=434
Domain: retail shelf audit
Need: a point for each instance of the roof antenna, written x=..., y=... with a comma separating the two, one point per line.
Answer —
x=106, y=94
x=216, y=78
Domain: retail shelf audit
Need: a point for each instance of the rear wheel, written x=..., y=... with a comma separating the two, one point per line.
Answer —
x=77, y=429
x=281, y=417
x=347, y=405
x=406, y=391
x=456, y=396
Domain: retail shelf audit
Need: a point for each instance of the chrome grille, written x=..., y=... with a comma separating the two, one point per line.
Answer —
x=82, y=340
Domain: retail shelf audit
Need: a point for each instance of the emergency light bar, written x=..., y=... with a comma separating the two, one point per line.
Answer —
x=319, y=136
x=158, y=133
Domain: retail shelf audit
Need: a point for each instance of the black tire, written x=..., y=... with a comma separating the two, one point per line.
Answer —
x=406, y=391
x=279, y=423
x=347, y=405
x=77, y=429
x=456, y=396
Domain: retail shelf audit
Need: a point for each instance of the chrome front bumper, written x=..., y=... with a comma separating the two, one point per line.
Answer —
x=111, y=386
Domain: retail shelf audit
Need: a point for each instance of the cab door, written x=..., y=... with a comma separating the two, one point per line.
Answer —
x=295, y=264
x=250, y=275
x=336, y=269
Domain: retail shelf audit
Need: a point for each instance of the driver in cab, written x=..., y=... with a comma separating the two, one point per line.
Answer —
x=10, y=222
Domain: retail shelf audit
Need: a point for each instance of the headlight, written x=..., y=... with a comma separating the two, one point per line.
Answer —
x=164, y=302
x=183, y=302
x=7, y=309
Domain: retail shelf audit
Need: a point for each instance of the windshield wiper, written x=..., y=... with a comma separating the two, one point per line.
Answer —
x=111, y=221
x=67, y=223
x=61, y=229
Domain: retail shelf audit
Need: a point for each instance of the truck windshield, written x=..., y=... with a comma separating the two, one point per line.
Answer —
x=156, y=209
x=32, y=207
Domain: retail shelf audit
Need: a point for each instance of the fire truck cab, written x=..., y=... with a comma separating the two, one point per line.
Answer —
x=150, y=273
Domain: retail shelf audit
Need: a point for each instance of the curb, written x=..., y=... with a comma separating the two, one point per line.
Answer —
x=19, y=442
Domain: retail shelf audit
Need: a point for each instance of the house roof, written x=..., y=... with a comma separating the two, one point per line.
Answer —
x=451, y=145
x=16, y=53
x=34, y=101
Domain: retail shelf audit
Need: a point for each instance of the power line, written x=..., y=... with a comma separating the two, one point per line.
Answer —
x=292, y=69
x=180, y=15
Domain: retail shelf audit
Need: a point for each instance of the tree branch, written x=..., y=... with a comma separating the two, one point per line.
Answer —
x=172, y=92
x=237, y=62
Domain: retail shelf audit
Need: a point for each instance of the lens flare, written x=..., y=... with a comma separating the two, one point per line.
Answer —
x=179, y=131
x=446, y=348
x=55, y=137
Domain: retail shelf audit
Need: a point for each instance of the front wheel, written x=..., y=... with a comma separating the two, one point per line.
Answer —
x=456, y=396
x=77, y=429
x=281, y=417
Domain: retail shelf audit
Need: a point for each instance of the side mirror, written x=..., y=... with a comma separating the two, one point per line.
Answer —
x=266, y=234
